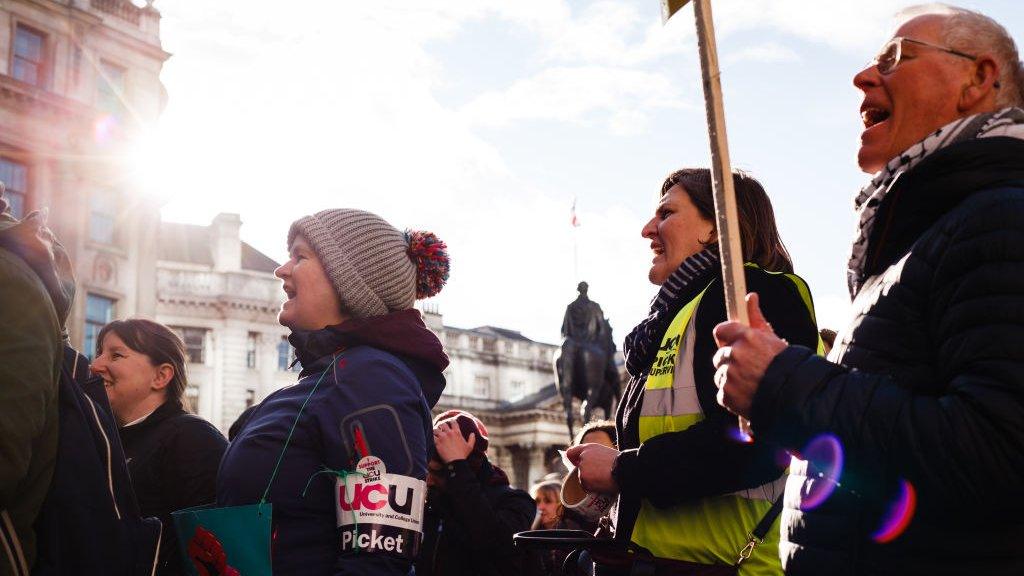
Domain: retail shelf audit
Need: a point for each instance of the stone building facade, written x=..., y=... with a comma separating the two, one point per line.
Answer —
x=221, y=296
x=506, y=380
x=79, y=81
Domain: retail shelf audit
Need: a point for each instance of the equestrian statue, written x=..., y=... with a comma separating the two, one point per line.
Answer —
x=585, y=365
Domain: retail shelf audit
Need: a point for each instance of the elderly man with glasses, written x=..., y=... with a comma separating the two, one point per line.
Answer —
x=909, y=440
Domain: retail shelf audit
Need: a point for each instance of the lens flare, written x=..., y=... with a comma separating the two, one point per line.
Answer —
x=824, y=456
x=104, y=129
x=740, y=436
x=899, y=516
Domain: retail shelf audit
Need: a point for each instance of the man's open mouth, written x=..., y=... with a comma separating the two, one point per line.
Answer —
x=872, y=116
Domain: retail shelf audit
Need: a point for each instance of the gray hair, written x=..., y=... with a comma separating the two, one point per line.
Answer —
x=973, y=32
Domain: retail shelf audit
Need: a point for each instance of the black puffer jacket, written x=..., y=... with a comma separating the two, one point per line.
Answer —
x=929, y=386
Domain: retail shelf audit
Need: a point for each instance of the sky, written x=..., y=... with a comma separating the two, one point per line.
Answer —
x=483, y=121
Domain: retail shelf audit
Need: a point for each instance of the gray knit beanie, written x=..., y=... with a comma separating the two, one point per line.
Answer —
x=369, y=261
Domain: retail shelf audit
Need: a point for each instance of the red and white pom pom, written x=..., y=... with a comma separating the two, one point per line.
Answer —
x=432, y=263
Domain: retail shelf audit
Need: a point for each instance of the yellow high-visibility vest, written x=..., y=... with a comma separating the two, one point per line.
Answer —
x=710, y=530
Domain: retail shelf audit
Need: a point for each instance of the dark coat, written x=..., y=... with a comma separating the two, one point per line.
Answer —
x=378, y=378
x=90, y=523
x=705, y=459
x=469, y=525
x=172, y=458
x=929, y=385
x=33, y=307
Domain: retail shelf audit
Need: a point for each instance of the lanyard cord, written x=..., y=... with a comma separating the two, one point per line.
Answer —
x=344, y=475
x=287, y=440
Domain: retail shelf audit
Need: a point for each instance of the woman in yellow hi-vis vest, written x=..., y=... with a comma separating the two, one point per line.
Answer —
x=692, y=490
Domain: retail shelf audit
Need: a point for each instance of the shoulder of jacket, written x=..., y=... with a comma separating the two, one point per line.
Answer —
x=192, y=428
x=363, y=360
x=996, y=208
x=19, y=276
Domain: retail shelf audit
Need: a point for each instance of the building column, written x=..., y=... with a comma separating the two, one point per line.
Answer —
x=538, y=467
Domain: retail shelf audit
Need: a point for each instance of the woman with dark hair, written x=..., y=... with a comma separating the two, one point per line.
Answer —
x=342, y=455
x=172, y=455
x=596, y=432
x=691, y=487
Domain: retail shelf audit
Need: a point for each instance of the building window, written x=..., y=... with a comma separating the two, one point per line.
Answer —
x=283, y=349
x=111, y=88
x=509, y=348
x=102, y=218
x=481, y=386
x=251, y=345
x=15, y=179
x=517, y=388
x=195, y=342
x=250, y=398
x=192, y=398
x=29, y=64
x=99, y=311
x=286, y=355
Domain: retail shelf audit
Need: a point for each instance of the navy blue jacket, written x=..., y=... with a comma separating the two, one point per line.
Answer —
x=90, y=523
x=380, y=376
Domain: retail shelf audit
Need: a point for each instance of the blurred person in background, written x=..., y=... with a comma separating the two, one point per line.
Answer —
x=552, y=515
x=597, y=432
x=472, y=511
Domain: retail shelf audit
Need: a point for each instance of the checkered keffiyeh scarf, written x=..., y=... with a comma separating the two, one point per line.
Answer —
x=642, y=343
x=1005, y=122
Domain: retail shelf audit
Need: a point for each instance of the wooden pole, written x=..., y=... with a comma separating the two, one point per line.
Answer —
x=727, y=221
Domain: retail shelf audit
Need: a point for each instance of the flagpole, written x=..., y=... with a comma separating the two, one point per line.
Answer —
x=575, y=242
x=575, y=255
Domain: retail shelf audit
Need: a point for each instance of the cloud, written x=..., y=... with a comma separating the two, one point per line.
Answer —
x=617, y=97
x=840, y=24
x=769, y=52
x=276, y=113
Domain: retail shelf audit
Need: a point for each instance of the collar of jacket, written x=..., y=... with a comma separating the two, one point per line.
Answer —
x=934, y=187
x=163, y=412
x=402, y=333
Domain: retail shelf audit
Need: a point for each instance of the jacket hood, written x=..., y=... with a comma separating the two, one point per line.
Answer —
x=34, y=243
x=401, y=333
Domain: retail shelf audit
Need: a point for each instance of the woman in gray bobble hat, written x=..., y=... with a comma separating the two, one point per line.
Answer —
x=342, y=454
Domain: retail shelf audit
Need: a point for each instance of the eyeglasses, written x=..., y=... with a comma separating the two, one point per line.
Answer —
x=892, y=53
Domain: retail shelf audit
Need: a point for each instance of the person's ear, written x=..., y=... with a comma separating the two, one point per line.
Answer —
x=164, y=374
x=710, y=237
x=982, y=88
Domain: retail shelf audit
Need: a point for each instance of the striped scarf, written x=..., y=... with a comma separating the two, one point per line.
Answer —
x=1005, y=122
x=642, y=343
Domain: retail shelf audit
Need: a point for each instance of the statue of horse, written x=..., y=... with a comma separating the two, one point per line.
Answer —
x=585, y=365
x=587, y=371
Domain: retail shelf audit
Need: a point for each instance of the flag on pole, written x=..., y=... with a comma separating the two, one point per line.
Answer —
x=572, y=215
x=670, y=7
